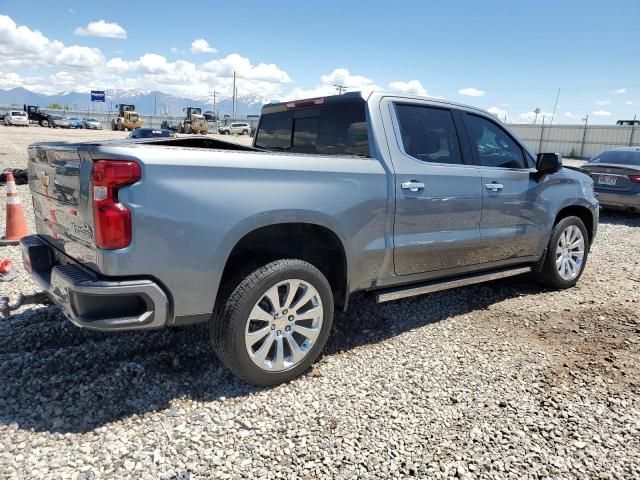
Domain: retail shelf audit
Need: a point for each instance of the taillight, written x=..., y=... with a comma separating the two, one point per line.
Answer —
x=111, y=219
x=634, y=178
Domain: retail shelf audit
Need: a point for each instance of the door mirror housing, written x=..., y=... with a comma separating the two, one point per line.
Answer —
x=548, y=162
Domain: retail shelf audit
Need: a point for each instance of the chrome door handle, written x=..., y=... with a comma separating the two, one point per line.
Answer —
x=494, y=187
x=412, y=186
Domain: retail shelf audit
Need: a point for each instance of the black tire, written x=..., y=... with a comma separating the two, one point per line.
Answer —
x=549, y=275
x=229, y=320
x=44, y=123
x=245, y=132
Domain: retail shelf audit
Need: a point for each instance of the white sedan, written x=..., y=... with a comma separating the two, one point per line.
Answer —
x=16, y=117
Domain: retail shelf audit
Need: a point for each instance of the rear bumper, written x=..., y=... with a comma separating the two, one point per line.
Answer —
x=619, y=200
x=90, y=301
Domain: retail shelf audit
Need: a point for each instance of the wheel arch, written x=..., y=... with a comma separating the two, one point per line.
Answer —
x=580, y=211
x=311, y=241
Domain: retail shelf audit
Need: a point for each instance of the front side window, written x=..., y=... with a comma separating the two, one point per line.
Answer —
x=429, y=134
x=492, y=145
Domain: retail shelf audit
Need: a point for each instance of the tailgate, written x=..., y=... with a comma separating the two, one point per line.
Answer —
x=59, y=178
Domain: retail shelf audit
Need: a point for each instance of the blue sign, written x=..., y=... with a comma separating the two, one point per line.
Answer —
x=97, y=95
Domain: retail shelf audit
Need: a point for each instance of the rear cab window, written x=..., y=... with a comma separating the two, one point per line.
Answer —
x=336, y=128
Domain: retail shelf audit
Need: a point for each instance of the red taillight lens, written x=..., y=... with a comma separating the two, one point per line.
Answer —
x=111, y=219
x=634, y=178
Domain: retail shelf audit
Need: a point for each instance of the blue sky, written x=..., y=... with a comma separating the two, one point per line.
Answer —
x=505, y=56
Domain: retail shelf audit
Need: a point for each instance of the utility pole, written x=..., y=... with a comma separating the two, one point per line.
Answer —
x=541, y=135
x=633, y=127
x=233, y=95
x=584, y=136
x=214, y=104
x=536, y=111
x=340, y=89
x=155, y=104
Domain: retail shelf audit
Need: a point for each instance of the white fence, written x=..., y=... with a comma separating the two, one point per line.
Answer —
x=577, y=141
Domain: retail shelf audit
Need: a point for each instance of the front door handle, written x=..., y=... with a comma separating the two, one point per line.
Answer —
x=494, y=187
x=412, y=186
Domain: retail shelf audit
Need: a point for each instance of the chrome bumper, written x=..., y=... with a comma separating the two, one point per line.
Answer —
x=90, y=301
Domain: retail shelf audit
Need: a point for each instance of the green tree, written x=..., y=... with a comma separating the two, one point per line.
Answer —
x=54, y=106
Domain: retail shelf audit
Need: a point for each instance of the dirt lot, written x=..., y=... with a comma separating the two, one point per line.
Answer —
x=503, y=380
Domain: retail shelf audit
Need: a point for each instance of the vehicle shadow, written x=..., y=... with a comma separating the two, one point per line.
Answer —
x=619, y=217
x=56, y=377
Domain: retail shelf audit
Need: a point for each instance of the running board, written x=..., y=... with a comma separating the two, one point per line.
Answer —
x=445, y=284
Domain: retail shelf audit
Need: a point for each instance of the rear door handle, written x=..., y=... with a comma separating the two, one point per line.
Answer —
x=412, y=186
x=494, y=187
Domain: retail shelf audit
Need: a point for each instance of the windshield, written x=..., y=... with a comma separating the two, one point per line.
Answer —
x=18, y=114
x=148, y=133
x=91, y=120
x=621, y=157
x=334, y=129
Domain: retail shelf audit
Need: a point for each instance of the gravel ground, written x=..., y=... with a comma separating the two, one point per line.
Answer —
x=502, y=380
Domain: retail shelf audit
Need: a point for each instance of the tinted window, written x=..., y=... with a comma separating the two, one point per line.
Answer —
x=621, y=157
x=339, y=129
x=494, y=147
x=18, y=114
x=429, y=134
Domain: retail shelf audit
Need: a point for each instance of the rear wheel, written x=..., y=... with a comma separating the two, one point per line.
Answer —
x=275, y=323
x=566, y=254
x=44, y=123
x=245, y=132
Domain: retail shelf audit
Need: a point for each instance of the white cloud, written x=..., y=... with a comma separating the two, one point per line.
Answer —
x=174, y=50
x=500, y=113
x=571, y=115
x=471, y=92
x=225, y=67
x=620, y=91
x=71, y=11
x=629, y=103
x=200, y=45
x=101, y=29
x=529, y=117
x=412, y=87
x=602, y=113
x=77, y=56
x=602, y=102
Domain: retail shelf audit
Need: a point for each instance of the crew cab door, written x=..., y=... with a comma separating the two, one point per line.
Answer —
x=438, y=191
x=513, y=220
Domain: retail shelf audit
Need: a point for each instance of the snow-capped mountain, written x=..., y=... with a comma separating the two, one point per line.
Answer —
x=146, y=101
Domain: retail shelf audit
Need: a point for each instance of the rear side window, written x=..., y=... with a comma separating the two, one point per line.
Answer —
x=338, y=129
x=492, y=145
x=429, y=134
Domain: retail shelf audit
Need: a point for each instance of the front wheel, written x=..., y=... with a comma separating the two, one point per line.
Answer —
x=275, y=323
x=566, y=254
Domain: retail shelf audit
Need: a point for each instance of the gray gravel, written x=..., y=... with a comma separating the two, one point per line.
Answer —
x=502, y=380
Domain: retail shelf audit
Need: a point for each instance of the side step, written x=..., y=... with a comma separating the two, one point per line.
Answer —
x=445, y=284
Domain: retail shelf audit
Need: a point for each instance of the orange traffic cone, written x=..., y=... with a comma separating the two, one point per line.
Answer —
x=16, y=224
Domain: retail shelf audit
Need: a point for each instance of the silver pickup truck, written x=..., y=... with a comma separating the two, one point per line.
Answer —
x=397, y=195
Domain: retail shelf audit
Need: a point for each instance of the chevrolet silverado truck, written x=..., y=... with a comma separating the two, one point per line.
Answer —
x=393, y=194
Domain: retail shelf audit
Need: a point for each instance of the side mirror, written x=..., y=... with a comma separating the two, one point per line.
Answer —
x=548, y=162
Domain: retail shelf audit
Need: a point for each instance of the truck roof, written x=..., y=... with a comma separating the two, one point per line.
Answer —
x=364, y=95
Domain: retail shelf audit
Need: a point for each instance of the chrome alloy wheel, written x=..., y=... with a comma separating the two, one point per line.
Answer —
x=570, y=252
x=284, y=325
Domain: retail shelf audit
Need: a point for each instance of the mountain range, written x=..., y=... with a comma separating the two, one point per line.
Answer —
x=146, y=102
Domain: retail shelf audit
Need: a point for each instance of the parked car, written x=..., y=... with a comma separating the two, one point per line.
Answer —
x=75, y=123
x=151, y=133
x=393, y=194
x=616, y=176
x=57, y=121
x=17, y=118
x=91, y=123
x=237, y=128
x=169, y=125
